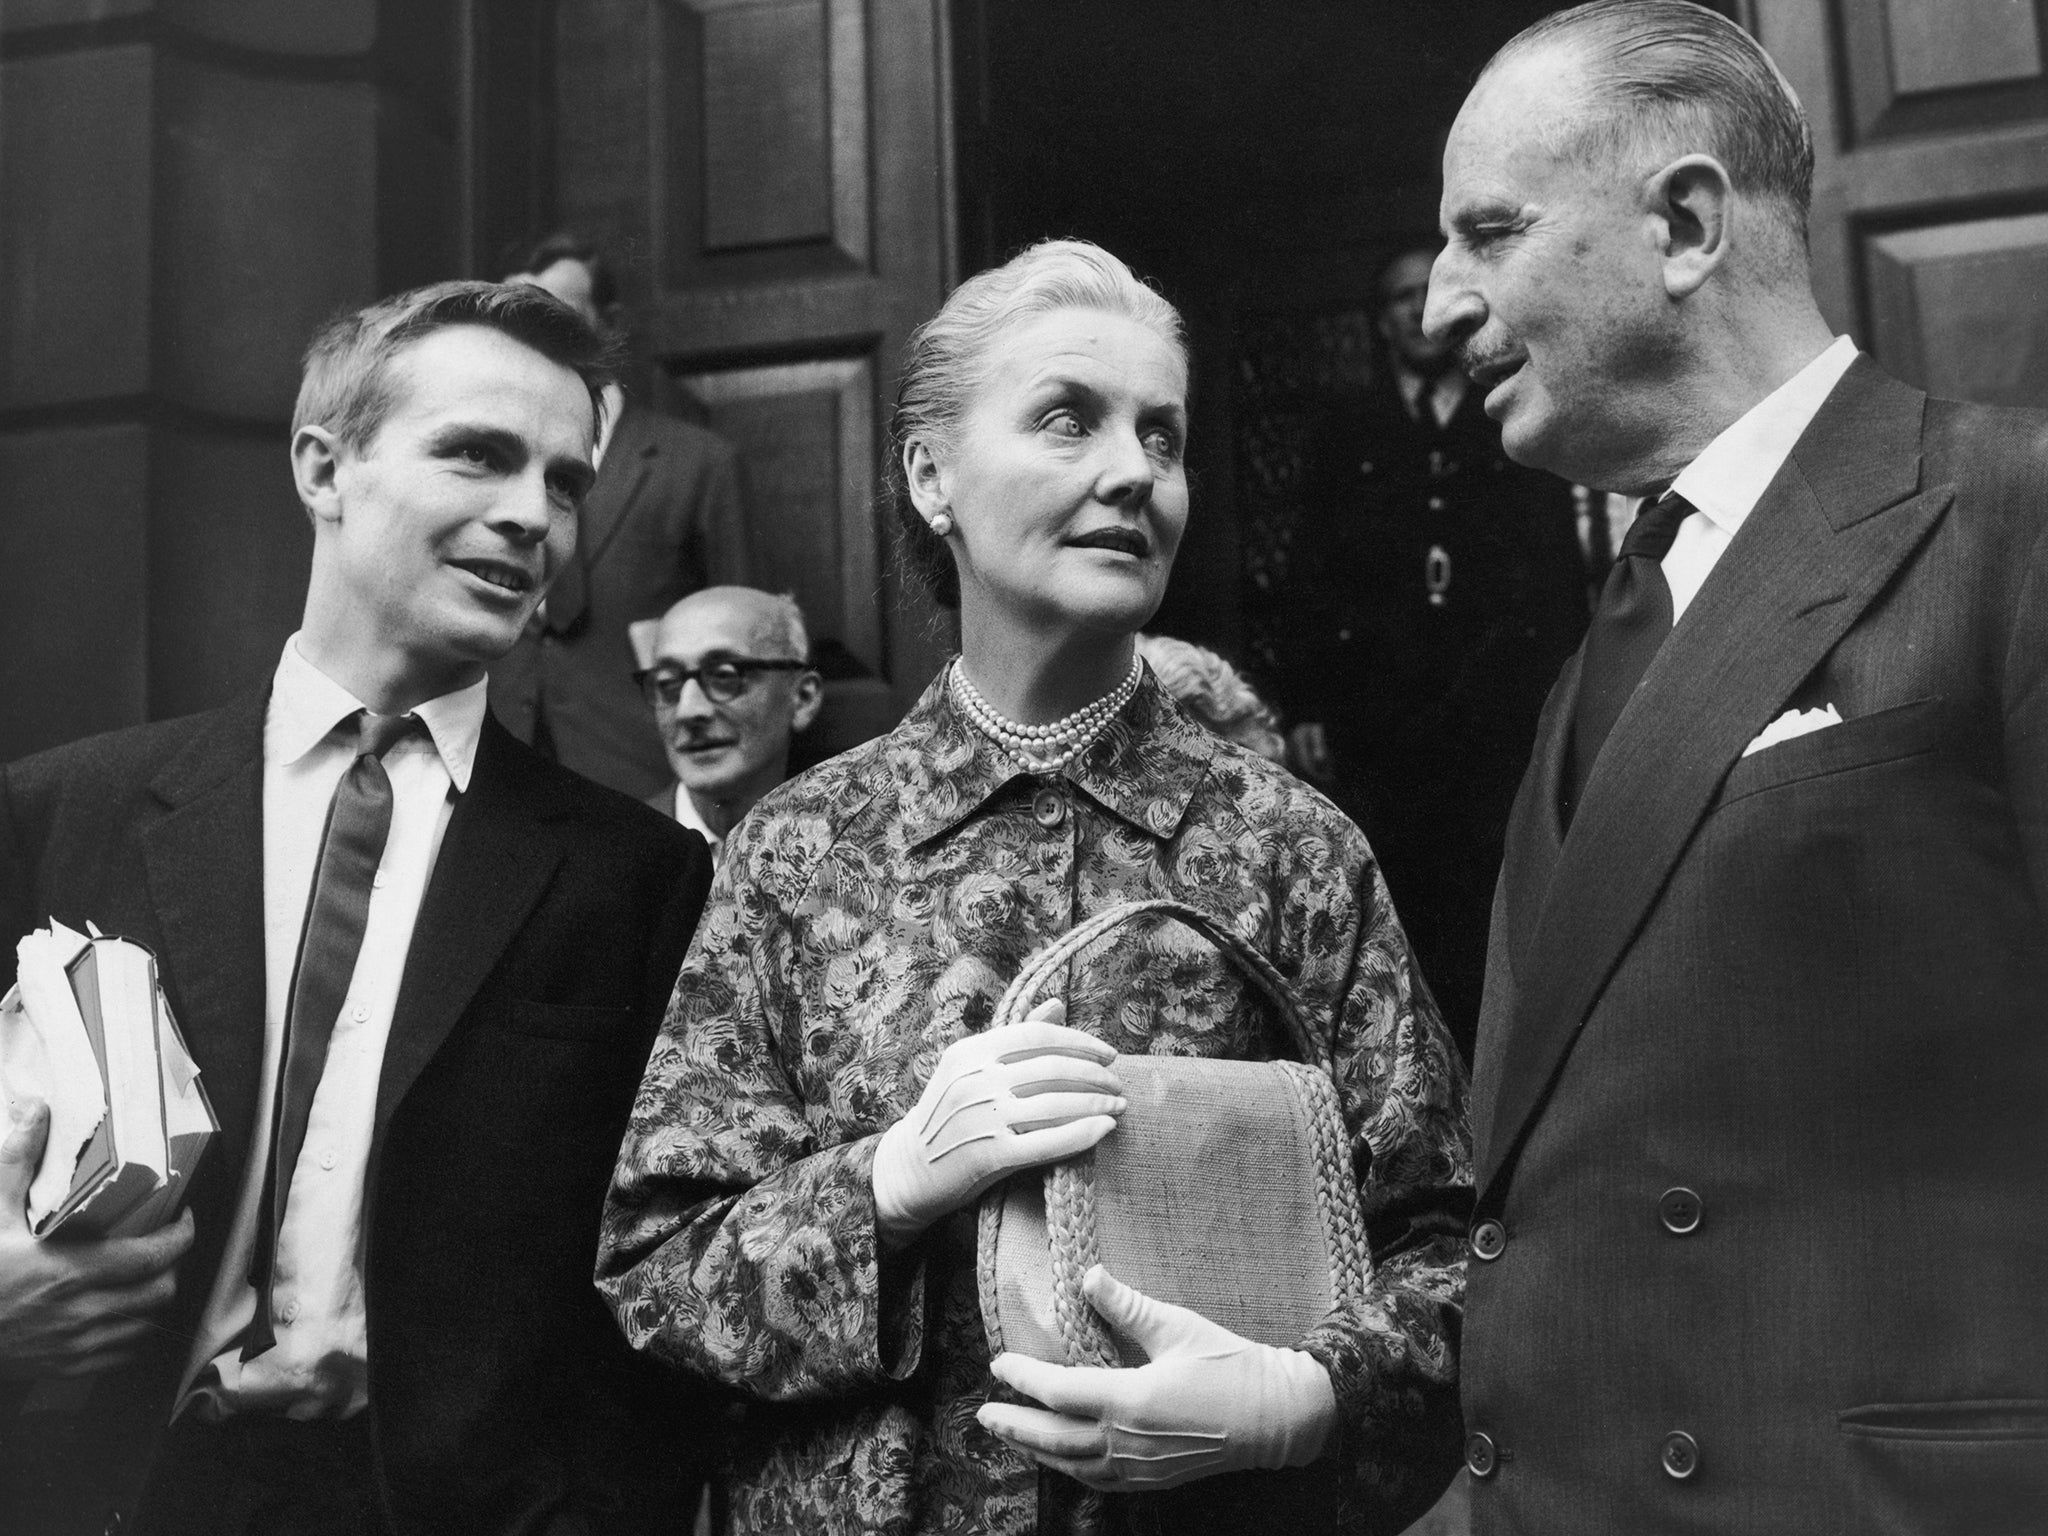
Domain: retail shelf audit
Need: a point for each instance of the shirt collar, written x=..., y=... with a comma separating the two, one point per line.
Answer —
x=1443, y=394
x=686, y=815
x=306, y=705
x=1143, y=769
x=1732, y=473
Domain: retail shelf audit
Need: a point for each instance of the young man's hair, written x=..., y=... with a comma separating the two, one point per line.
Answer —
x=346, y=385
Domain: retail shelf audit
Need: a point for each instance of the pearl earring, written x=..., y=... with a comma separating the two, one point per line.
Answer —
x=942, y=524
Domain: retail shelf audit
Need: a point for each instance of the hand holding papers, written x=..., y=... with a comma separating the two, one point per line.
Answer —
x=87, y=1032
x=72, y=1308
x=105, y=1121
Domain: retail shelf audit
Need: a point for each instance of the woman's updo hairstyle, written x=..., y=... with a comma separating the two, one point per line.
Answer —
x=951, y=354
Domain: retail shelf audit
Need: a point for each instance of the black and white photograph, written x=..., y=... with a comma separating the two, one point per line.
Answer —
x=1032, y=767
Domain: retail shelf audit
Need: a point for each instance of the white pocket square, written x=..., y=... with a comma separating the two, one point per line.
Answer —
x=1794, y=722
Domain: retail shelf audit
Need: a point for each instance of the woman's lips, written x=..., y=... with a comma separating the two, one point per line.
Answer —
x=1122, y=541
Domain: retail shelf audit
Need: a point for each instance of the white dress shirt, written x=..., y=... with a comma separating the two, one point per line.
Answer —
x=1732, y=472
x=317, y=1367
x=684, y=809
x=1446, y=393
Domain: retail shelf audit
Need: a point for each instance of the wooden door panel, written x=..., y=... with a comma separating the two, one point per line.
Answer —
x=1930, y=217
x=1956, y=308
x=779, y=170
x=806, y=433
x=766, y=141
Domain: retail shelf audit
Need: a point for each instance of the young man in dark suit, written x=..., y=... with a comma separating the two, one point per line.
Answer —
x=1761, y=1094
x=419, y=967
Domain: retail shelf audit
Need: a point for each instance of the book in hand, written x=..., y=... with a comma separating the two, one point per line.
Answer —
x=87, y=1029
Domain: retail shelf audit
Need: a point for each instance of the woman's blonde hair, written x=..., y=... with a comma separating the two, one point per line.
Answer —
x=951, y=354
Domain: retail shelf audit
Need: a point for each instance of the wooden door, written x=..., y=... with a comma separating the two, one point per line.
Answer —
x=777, y=174
x=1930, y=219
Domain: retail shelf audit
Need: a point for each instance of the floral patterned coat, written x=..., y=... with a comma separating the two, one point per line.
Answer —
x=870, y=913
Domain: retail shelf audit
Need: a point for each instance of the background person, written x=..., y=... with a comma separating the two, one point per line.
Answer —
x=728, y=675
x=665, y=518
x=1435, y=588
x=1762, y=1086
x=782, y=1222
x=419, y=967
x=1214, y=693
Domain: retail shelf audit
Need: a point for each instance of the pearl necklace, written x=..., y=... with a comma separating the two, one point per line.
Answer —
x=1045, y=748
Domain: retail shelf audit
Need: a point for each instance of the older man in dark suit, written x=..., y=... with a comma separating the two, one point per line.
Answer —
x=1761, y=1102
x=419, y=967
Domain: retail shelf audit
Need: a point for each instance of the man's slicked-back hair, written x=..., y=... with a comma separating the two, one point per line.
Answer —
x=346, y=385
x=1669, y=77
x=951, y=354
x=533, y=257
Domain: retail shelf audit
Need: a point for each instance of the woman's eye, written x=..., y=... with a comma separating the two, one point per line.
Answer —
x=1162, y=444
x=1064, y=424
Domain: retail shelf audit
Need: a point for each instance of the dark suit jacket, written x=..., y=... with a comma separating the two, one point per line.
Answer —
x=501, y=1395
x=1434, y=588
x=1810, y=987
x=663, y=520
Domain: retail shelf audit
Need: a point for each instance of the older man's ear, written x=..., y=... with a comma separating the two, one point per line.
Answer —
x=1693, y=198
x=810, y=698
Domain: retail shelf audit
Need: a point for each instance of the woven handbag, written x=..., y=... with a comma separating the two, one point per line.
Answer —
x=1226, y=1187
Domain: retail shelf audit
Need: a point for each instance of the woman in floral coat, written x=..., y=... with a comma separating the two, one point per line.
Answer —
x=793, y=1209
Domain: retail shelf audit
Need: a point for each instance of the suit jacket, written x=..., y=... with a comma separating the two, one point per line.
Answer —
x=1761, y=1104
x=1434, y=588
x=501, y=1396
x=663, y=520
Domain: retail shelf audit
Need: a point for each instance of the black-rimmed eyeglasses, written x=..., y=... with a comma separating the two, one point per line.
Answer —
x=722, y=680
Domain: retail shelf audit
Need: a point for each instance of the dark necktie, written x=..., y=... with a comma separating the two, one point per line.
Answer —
x=337, y=910
x=1632, y=620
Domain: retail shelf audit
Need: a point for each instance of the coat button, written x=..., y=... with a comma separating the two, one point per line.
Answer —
x=1681, y=1455
x=1489, y=1240
x=1481, y=1459
x=1679, y=1209
x=1049, y=809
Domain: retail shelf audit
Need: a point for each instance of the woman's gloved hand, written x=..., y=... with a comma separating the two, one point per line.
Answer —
x=1033, y=1092
x=1207, y=1402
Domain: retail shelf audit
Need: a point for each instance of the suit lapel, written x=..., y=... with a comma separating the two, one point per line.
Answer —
x=629, y=465
x=494, y=863
x=203, y=864
x=1828, y=535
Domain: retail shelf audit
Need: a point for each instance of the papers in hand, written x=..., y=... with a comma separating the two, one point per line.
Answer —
x=1794, y=722
x=86, y=1028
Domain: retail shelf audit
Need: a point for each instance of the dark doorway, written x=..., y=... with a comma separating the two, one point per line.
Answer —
x=1256, y=161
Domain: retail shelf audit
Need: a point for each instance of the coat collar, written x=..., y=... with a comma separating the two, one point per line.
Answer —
x=494, y=864
x=202, y=862
x=629, y=464
x=1837, y=522
x=1144, y=769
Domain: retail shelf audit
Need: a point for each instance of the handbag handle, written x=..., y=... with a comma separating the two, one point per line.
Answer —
x=1022, y=993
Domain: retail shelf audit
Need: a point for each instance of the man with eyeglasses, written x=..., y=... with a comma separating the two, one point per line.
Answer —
x=728, y=675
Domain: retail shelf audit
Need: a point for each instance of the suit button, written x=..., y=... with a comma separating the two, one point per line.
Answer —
x=1681, y=1455
x=1049, y=809
x=1489, y=1240
x=1481, y=1459
x=1679, y=1209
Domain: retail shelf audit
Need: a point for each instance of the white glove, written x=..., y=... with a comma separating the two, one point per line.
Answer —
x=1032, y=1092
x=1208, y=1401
